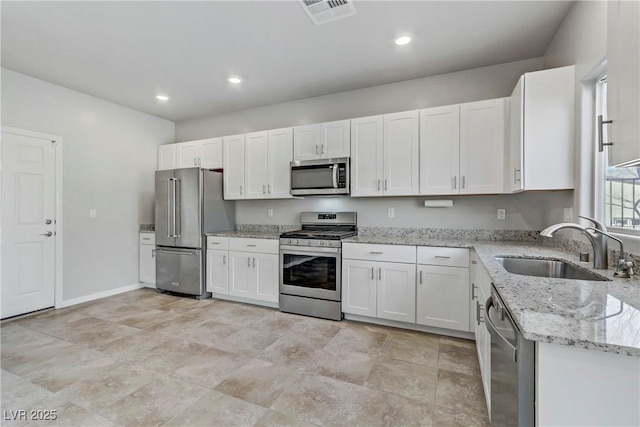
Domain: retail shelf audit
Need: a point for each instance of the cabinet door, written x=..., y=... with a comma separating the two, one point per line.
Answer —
x=482, y=147
x=513, y=169
x=280, y=156
x=623, y=84
x=401, y=154
x=167, y=157
x=440, y=150
x=443, y=297
x=396, y=299
x=266, y=273
x=359, y=287
x=217, y=271
x=210, y=152
x=256, y=148
x=187, y=154
x=147, y=264
x=233, y=177
x=335, y=139
x=241, y=278
x=305, y=142
x=366, y=162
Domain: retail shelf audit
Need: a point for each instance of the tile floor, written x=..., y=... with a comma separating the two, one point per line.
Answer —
x=143, y=358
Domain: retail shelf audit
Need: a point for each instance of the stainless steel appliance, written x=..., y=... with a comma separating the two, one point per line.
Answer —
x=188, y=204
x=512, y=368
x=311, y=264
x=320, y=177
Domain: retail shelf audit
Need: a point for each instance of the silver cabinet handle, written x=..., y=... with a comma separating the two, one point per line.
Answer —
x=249, y=262
x=153, y=253
x=372, y=277
x=464, y=181
x=442, y=257
x=322, y=149
x=195, y=162
x=473, y=291
x=386, y=184
x=421, y=277
x=379, y=273
x=251, y=246
x=199, y=161
x=474, y=262
x=376, y=253
x=517, y=177
x=455, y=182
x=224, y=259
x=601, y=124
x=264, y=189
x=269, y=188
x=254, y=263
x=317, y=149
x=378, y=185
x=47, y=234
x=241, y=189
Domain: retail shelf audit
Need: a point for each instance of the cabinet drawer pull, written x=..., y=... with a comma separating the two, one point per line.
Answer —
x=474, y=262
x=421, y=277
x=251, y=246
x=372, y=276
x=376, y=253
x=442, y=257
x=146, y=238
x=214, y=243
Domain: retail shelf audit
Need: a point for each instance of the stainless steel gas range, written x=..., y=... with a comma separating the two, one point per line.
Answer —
x=311, y=264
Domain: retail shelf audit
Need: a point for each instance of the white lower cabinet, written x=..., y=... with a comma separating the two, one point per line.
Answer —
x=396, y=291
x=217, y=271
x=442, y=297
x=147, y=260
x=359, y=287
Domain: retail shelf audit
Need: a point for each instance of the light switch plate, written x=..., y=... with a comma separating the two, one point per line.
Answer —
x=270, y=213
x=502, y=214
x=93, y=213
x=568, y=214
x=391, y=212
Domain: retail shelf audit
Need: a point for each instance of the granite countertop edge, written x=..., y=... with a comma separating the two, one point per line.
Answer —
x=544, y=309
x=273, y=235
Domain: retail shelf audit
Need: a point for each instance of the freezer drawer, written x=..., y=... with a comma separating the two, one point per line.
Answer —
x=180, y=270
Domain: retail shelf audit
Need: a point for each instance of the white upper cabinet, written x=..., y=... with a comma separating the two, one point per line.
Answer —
x=233, y=164
x=167, y=157
x=542, y=131
x=366, y=162
x=256, y=164
x=322, y=140
x=187, y=154
x=280, y=154
x=623, y=83
x=440, y=150
x=482, y=145
x=385, y=155
x=210, y=153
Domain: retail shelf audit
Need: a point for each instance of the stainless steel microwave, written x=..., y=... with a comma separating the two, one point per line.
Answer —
x=320, y=177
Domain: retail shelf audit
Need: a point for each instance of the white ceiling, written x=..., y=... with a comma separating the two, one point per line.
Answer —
x=127, y=52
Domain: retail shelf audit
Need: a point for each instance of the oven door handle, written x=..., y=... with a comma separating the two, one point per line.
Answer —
x=299, y=250
x=335, y=175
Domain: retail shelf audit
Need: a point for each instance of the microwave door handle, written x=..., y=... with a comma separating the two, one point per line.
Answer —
x=335, y=175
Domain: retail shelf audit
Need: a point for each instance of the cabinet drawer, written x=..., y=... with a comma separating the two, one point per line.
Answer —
x=268, y=246
x=215, y=242
x=451, y=257
x=390, y=253
x=147, y=238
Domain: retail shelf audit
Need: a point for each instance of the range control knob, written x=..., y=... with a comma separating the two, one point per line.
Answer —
x=308, y=242
x=295, y=242
x=321, y=242
x=289, y=241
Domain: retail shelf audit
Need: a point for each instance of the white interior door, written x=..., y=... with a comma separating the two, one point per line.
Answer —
x=28, y=224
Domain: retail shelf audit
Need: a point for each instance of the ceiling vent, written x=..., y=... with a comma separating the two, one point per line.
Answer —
x=323, y=11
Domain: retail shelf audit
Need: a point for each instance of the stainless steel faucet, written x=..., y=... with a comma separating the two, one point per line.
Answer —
x=597, y=235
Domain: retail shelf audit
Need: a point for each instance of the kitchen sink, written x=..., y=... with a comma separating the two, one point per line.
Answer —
x=546, y=268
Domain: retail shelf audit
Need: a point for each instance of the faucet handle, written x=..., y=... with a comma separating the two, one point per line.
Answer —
x=597, y=224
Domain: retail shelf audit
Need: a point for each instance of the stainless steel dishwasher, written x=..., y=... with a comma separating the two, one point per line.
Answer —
x=512, y=368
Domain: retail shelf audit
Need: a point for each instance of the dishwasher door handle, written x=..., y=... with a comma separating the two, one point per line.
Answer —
x=500, y=340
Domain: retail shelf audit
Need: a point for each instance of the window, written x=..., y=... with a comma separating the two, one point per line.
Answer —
x=617, y=189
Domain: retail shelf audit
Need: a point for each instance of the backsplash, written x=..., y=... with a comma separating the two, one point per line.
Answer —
x=450, y=233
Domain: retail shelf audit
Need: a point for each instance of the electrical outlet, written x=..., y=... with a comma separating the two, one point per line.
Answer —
x=391, y=212
x=270, y=213
x=568, y=214
x=502, y=214
x=93, y=213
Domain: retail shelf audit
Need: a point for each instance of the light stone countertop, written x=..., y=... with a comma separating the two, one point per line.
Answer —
x=247, y=234
x=598, y=315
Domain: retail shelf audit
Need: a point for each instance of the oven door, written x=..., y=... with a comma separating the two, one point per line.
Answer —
x=312, y=272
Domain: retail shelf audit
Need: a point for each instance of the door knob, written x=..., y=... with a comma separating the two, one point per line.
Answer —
x=48, y=221
x=47, y=234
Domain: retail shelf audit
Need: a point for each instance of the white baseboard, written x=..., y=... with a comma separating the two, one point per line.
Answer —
x=110, y=292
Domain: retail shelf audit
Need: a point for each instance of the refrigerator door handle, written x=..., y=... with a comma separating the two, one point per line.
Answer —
x=176, y=208
x=169, y=232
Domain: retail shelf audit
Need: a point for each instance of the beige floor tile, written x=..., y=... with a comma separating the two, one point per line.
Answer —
x=155, y=403
x=135, y=347
x=404, y=378
x=93, y=332
x=445, y=417
x=318, y=330
x=258, y=382
x=66, y=414
x=248, y=341
x=7, y=378
x=343, y=364
x=209, y=332
x=293, y=349
x=276, y=322
x=278, y=419
x=171, y=355
x=209, y=367
x=231, y=313
x=22, y=395
x=33, y=360
x=219, y=409
x=458, y=355
x=52, y=323
x=460, y=392
x=62, y=375
x=105, y=387
x=413, y=347
x=182, y=305
x=175, y=327
x=147, y=318
x=358, y=339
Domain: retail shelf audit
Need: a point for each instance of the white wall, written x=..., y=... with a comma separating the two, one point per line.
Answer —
x=110, y=154
x=524, y=211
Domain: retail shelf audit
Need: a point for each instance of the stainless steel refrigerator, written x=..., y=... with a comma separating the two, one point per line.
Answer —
x=188, y=204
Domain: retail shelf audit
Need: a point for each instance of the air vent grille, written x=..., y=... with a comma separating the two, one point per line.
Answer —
x=323, y=11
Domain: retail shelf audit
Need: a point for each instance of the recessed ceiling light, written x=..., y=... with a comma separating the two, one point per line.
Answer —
x=162, y=97
x=401, y=41
x=235, y=80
